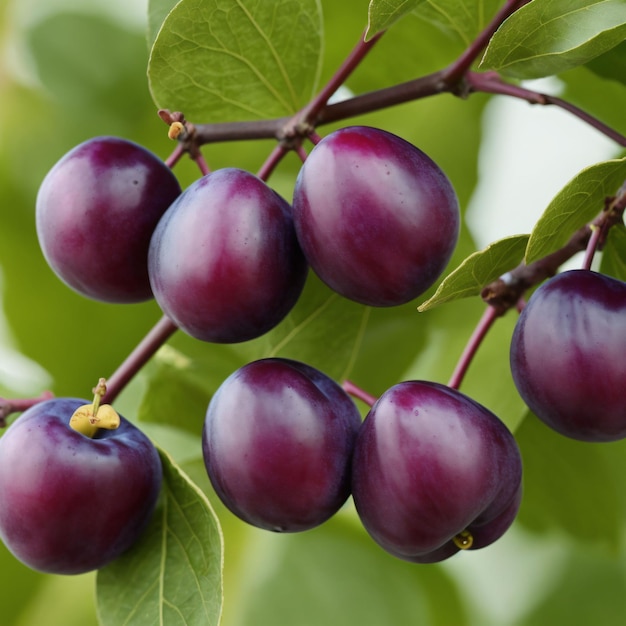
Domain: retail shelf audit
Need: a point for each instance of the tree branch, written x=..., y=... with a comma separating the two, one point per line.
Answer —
x=504, y=293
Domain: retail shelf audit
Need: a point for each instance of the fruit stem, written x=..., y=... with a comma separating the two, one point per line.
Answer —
x=592, y=246
x=272, y=161
x=88, y=419
x=308, y=114
x=355, y=391
x=99, y=390
x=486, y=321
x=144, y=351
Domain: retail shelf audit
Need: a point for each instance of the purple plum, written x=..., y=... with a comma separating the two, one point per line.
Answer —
x=96, y=211
x=69, y=503
x=277, y=444
x=377, y=219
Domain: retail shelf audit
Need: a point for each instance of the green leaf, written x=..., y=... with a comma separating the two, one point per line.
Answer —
x=614, y=253
x=547, y=37
x=569, y=485
x=227, y=60
x=464, y=18
x=579, y=202
x=174, y=573
x=382, y=14
x=478, y=270
x=611, y=64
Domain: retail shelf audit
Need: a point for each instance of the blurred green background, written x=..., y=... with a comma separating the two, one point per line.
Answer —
x=71, y=70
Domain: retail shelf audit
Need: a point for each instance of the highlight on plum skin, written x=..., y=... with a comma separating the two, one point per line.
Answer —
x=377, y=218
x=96, y=211
x=277, y=444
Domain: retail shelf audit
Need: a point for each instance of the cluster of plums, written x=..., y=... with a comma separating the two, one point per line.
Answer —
x=430, y=471
x=227, y=258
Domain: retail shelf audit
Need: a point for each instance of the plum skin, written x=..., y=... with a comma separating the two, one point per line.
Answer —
x=378, y=220
x=70, y=504
x=430, y=463
x=567, y=355
x=224, y=261
x=277, y=444
x=96, y=210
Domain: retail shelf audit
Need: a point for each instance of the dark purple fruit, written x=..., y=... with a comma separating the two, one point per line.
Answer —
x=225, y=264
x=70, y=504
x=377, y=219
x=434, y=472
x=96, y=211
x=277, y=444
x=568, y=355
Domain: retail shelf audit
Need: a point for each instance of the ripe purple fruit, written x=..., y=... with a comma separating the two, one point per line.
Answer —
x=96, y=211
x=568, y=355
x=434, y=472
x=70, y=504
x=224, y=262
x=277, y=444
x=377, y=219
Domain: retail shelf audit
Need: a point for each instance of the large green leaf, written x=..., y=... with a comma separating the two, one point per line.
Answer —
x=574, y=206
x=547, y=37
x=174, y=573
x=219, y=60
x=478, y=270
x=383, y=14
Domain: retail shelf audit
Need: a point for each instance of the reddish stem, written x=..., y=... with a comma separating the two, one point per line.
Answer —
x=176, y=155
x=357, y=392
x=308, y=114
x=272, y=161
x=490, y=82
x=592, y=246
x=201, y=163
x=485, y=323
x=144, y=351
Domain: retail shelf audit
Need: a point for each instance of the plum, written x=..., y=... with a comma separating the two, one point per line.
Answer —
x=277, y=444
x=96, y=211
x=434, y=472
x=378, y=220
x=224, y=261
x=567, y=355
x=70, y=503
